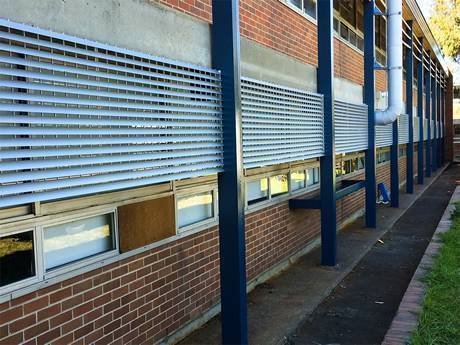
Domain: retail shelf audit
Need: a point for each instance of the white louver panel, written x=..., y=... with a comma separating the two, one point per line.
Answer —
x=79, y=117
x=403, y=129
x=350, y=127
x=384, y=135
x=416, y=127
x=425, y=129
x=280, y=124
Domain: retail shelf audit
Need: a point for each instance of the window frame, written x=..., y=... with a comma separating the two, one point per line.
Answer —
x=205, y=223
x=27, y=281
x=301, y=11
x=75, y=265
x=38, y=225
x=290, y=193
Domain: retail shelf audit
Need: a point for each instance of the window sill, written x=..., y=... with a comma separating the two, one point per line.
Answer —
x=298, y=11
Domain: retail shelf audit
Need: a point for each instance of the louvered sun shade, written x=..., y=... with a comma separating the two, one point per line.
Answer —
x=416, y=128
x=403, y=129
x=384, y=135
x=350, y=127
x=79, y=117
x=280, y=124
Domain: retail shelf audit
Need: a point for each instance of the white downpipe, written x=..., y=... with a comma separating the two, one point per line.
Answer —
x=395, y=70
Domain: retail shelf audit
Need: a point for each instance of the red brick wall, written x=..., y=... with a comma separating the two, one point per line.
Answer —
x=273, y=24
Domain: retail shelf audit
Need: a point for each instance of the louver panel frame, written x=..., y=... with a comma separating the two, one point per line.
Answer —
x=403, y=129
x=425, y=129
x=351, y=122
x=416, y=128
x=384, y=135
x=79, y=117
x=280, y=124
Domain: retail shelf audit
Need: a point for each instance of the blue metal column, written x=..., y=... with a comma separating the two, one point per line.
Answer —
x=394, y=168
x=434, y=160
x=428, y=116
x=443, y=119
x=420, y=114
x=369, y=99
x=410, y=111
x=226, y=58
x=326, y=87
x=438, y=98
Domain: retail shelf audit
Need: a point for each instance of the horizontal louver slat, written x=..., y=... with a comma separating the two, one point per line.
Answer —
x=78, y=117
x=279, y=124
x=351, y=121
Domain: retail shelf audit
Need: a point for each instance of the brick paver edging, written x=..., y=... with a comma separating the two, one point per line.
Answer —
x=406, y=319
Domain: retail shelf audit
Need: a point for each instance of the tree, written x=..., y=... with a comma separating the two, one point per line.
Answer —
x=445, y=25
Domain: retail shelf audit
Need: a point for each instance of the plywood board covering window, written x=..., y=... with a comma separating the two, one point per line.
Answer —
x=146, y=222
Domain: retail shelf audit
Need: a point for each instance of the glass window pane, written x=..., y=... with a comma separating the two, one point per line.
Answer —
x=257, y=191
x=69, y=242
x=343, y=31
x=17, y=260
x=279, y=185
x=309, y=6
x=194, y=208
x=316, y=175
x=298, y=180
x=296, y=3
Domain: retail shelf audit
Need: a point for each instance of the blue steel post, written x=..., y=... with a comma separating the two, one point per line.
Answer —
x=369, y=94
x=326, y=87
x=434, y=160
x=438, y=98
x=226, y=58
x=420, y=115
x=428, y=116
x=394, y=168
x=443, y=119
x=410, y=110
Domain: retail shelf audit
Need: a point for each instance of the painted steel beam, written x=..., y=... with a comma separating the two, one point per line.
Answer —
x=226, y=58
x=434, y=160
x=394, y=167
x=349, y=188
x=428, y=116
x=420, y=75
x=369, y=99
x=410, y=110
x=326, y=87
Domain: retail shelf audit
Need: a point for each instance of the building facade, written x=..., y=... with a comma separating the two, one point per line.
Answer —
x=111, y=144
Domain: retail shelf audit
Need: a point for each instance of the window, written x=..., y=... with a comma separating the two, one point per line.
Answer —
x=54, y=247
x=257, y=191
x=312, y=176
x=193, y=209
x=401, y=152
x=17, y=257
x=298, y=180
x=272, y=186
x=306, y=6
x=383, y=156
x=349, y=21
x=80, y=239
x=345, y=165
x=278, y=185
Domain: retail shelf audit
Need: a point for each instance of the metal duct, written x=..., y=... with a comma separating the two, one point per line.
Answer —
x=394, y=53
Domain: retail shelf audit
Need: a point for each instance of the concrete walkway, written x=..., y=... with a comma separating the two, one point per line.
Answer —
x=406, y=319
x=276, y=308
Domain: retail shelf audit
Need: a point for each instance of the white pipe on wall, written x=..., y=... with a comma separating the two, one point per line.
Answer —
x=395, y=68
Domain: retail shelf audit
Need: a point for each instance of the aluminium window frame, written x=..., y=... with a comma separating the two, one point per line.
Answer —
x=272, y=200
x=205, y=223
x=301, y=11
x=38, y=225
x=36, y=248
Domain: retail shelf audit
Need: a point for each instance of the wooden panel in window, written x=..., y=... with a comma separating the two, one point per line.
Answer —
x=146, y=222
